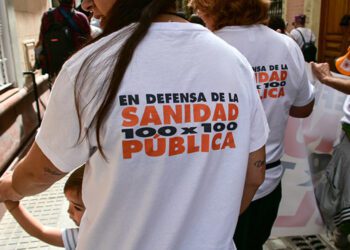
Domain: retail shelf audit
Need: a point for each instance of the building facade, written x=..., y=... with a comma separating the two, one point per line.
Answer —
x=19, y=30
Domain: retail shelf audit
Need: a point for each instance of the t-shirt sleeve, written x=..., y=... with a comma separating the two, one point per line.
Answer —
x=70, y=237
x=295, y=36
x=58, y=136
x=305, y=91
x=259, y=128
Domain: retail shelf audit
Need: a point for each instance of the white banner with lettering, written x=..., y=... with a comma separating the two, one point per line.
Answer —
x=308, y=147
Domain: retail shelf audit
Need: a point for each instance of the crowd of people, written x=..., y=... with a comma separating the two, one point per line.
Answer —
x=179, y=127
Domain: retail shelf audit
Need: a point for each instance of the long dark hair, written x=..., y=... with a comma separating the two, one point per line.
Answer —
x=277, y=23
x=121, y=16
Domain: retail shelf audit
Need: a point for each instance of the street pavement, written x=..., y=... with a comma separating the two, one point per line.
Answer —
x=50, y=207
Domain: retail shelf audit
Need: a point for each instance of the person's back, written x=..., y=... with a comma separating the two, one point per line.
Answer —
x=305, y=32
x=174, y=149
x=284, y=90
x=305, y=38
x=280, y=75
x=63, y=31
x=282, y=84
x=169, y=144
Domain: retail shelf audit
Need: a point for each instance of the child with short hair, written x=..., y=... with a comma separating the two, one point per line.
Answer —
x=66, y=238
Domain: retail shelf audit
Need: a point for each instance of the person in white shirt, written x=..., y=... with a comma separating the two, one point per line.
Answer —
x=67, y=237
x=174, y=150
x=284, y=89
x=301, y=31
x=305, y=38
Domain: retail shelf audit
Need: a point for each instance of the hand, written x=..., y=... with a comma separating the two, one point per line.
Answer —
x=6, y=190
x=321, y=71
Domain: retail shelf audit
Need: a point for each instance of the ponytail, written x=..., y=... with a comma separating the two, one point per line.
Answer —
x=122, y=14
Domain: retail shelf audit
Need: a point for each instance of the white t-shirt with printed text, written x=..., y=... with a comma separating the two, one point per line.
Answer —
x=177, y=141
x=281, y=82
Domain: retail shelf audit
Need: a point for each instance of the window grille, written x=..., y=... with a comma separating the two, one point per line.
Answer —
x=180, y=5
x=276, y=8
x=4, y=82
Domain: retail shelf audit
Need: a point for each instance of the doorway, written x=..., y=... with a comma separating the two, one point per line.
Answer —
x=334, y=36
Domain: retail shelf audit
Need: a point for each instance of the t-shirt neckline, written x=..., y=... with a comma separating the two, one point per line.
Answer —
x=177, y=26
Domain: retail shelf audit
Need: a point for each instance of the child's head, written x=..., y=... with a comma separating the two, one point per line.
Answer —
x=72, y=191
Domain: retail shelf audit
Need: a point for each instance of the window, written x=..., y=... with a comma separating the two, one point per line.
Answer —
x=4, y=82
x=10, y=65
x=276, y=8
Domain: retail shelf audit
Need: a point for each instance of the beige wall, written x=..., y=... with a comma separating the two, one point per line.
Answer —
x=294, y=7
x=28, y=18
x=311, y=8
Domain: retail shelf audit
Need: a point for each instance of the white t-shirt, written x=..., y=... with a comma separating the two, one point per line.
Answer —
x=70, y=237
x=346, y=109
x=177, y=141
x=95, y=31
x=281, y=82
x=306, y=32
